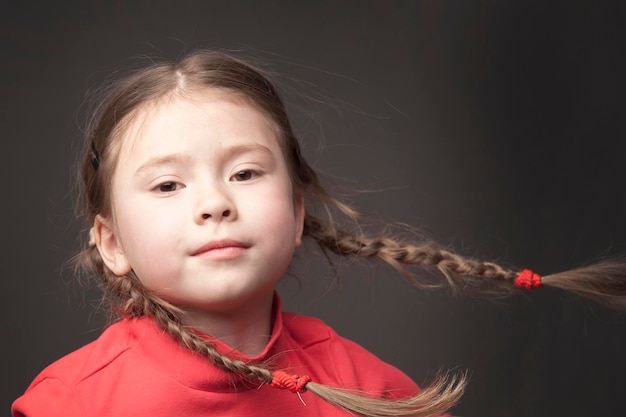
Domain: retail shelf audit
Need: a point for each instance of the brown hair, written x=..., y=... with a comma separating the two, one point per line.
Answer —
x=604, y=282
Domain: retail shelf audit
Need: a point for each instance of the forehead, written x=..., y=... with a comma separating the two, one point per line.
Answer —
x=175, y=119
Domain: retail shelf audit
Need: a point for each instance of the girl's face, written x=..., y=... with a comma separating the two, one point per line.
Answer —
x=203, y=209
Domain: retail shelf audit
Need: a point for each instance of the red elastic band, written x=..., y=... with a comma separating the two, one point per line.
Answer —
x=528, y=279
x=294, y=383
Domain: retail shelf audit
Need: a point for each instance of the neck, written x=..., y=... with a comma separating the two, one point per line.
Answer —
x=246, y=329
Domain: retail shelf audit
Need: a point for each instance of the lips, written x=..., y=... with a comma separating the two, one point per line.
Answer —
x=221, y=249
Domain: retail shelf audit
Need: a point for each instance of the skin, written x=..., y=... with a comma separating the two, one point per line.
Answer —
x=204, y=212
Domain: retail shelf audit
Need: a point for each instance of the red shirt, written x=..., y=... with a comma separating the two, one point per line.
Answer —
x=134, y=369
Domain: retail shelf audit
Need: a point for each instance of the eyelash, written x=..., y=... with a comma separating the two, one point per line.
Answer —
x=167, y=184
x=252, y=174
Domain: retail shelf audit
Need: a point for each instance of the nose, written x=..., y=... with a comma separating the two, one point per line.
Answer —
x=215, y=204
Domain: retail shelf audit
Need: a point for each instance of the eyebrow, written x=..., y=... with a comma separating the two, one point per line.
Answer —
x=234, y=150
x=173, y=159
x=182, y=159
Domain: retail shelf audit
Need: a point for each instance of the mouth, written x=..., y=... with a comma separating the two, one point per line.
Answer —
x=221, y=249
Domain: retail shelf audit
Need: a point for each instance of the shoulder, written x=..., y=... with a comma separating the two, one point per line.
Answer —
x=346, y=362
x=91, y=358
x=53, y=391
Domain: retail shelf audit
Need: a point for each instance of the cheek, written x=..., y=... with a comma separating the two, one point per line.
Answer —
x=146, y=234
x=274, y=210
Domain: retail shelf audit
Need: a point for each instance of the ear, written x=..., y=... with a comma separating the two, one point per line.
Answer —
x=299, y=214
x=109, y=246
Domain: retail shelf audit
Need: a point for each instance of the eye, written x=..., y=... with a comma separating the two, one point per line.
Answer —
x=244, y=175
x=168, y=187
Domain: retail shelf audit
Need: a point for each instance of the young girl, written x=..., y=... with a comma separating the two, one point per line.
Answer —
x=197, y=196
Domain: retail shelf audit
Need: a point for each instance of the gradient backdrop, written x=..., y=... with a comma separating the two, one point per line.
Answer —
x=497, y=127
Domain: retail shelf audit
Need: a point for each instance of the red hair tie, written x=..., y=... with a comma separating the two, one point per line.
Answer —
x=294, y=383
x=527, y=279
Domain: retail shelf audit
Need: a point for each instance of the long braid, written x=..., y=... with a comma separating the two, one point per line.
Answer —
x=400, y=254
x=603, y=282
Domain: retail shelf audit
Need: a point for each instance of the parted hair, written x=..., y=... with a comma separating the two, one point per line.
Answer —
x=118, y=103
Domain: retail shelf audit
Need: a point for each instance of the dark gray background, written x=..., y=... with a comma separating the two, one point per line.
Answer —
x=498, y=127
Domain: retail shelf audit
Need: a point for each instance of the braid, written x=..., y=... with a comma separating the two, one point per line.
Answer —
x=137, y=301
x=603, y=282
x=171, y=323
x=401, y=254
